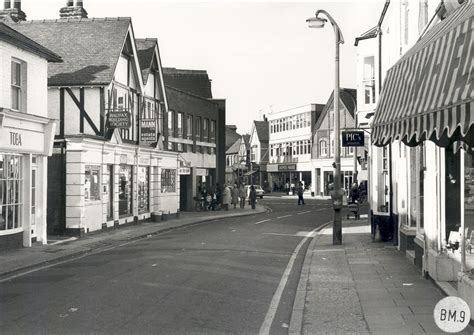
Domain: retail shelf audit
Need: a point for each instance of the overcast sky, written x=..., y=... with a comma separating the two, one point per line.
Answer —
x=261, y=56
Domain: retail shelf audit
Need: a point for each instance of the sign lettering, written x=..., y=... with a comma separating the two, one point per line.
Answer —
x=119, y=119
x=148, y=131
x=15, y=139
x=287, y=167
x=353, y=138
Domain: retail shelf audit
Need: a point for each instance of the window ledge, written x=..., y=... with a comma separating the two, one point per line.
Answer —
x=11, y=231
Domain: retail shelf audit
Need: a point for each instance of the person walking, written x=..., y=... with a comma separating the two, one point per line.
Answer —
x=300, y=191
x=235, y=195
x=253, y=196
x=242, y=195
x=226, y=197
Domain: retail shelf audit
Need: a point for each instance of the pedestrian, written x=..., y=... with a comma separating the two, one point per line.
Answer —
x=218, y=194
x=253, y=196
x=226, y=197
x=354, y=192
x=209, y=201
x=287, y=188
x=242, y=195
x=235, y=195
x=300, y=191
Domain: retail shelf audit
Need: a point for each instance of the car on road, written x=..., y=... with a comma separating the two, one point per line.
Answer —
x=258, y=189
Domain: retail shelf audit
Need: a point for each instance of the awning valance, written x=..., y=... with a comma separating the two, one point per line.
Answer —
x=428, y=93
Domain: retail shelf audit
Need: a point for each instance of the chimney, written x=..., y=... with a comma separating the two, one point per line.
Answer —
x=72, y=11
x=12, y=10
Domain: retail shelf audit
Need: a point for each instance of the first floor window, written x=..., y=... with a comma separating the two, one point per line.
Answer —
x=18, y=85
x=143, y=189
x=11, y=180
x=91, y=184
x=323, y=150
x=168, y=180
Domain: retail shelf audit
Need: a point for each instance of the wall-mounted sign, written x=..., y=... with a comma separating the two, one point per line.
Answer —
x=119, y=118
x=201, y=172
x=148, y=131
x=287, y=167
x=22, y=140
x=184, y=171
x=352, y=138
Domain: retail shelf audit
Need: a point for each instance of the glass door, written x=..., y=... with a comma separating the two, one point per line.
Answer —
x=34, y=188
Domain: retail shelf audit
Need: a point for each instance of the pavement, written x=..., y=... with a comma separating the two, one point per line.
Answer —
x=15, y=262
x=362, y=287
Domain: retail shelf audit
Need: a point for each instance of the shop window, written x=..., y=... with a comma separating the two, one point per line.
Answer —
x=179, y=147
x=18, y=85
x=143, y=189
x=11, y=181
x=125, y=190
x=92, y=183
x=469, y=202
x=168, y=181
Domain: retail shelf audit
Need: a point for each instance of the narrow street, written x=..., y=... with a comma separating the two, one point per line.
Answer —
x=224, y=276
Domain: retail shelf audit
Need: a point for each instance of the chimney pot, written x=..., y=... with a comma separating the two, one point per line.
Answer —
x=12, y=11
x=70, y=3
x=79, y=3
x=17, y=4
x=7, y=4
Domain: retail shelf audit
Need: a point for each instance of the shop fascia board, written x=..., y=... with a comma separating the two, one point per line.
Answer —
x=8, y=114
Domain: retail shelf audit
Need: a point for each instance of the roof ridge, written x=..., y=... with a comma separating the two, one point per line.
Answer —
x=67, y=20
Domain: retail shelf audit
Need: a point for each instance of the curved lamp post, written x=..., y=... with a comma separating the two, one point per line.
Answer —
x=337, y=193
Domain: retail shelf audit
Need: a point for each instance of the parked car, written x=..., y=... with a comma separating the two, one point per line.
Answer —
x=258, y=189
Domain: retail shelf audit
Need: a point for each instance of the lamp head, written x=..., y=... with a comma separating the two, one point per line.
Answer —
x=316, y=22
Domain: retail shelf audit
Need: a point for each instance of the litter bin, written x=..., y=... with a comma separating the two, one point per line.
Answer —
x=381, y=221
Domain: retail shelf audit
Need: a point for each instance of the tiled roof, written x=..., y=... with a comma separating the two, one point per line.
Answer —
x=262, y=129
x=145, y=51
x=234, y=148
x=21, y=41
x=231, y=136
x=192, y=81
x=90, y=48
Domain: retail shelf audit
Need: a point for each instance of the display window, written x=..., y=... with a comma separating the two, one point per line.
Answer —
x=125, y=190
x=143, y=189
x=92, y=183
x=11, y=180
x=168, y=180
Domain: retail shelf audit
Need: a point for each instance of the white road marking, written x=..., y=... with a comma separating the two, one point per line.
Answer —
x=298, y=234
x=284, y=216
x=304, y=212
x=267, y=323
x=63, y=241
x=263, y=221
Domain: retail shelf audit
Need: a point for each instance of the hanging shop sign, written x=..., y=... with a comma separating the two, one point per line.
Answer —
x=353, y=138
x=287, y=167
x=119, y=118
x=148, y=131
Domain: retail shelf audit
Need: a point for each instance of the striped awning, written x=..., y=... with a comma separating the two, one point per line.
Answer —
x=428, y=93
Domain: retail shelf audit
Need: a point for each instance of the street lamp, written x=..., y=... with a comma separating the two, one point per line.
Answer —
x=337, y=193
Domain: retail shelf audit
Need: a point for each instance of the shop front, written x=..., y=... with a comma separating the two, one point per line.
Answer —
x=25, y=144
x=427, y=104
x=285, y=177
x=111, y=184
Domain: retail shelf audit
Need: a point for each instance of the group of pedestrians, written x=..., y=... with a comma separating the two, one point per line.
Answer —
x=226, y=197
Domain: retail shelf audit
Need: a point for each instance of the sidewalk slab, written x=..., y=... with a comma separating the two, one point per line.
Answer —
x=362, y=287
x=16, y=261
